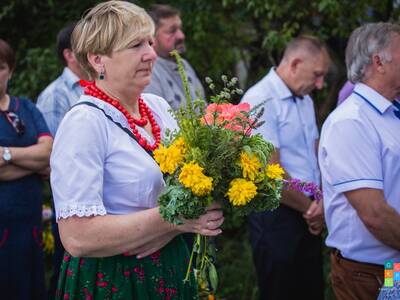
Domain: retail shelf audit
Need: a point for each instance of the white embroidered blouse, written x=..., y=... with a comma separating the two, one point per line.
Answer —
x=98, y=169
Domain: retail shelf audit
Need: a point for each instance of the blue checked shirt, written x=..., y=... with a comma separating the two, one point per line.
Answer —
x=58, y=97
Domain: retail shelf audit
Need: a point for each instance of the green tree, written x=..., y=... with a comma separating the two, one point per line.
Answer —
x=221, y=33
x=31, y=28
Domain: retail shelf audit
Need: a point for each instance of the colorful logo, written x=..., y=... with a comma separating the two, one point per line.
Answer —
x=392, y=273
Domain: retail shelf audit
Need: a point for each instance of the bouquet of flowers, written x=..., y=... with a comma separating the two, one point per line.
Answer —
x=214, y=157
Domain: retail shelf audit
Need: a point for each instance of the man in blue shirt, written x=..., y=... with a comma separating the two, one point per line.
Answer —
x=286, y=242
x=60, y=95
x=359, y=157
x=54, y=102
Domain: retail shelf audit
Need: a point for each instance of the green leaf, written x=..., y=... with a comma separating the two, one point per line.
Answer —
x=213, y=276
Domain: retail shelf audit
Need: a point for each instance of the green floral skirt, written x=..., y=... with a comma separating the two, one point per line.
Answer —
x=158, y=276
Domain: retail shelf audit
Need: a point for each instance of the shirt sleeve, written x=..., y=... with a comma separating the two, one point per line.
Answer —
x=350, y=157
x=314, y=133
x=53, y=107
x=39, y=122
x=77, y=163
x=270, y=129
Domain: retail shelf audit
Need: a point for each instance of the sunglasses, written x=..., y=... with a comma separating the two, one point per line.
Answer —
x=15, y=122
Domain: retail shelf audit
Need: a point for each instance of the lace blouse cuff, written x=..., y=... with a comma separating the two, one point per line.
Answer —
x=80, y=211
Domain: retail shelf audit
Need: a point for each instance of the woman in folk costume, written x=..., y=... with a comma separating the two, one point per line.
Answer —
x=104, y=180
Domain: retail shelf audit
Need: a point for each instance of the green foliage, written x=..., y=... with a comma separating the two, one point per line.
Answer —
x=31, y=28
x=177, y=201
x=40, y=65
x=257, y=145
x=219, y=34
x=257, y=30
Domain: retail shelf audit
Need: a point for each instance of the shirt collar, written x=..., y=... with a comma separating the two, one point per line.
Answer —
x=69, y=77
x=281, y=89
x=372, y=97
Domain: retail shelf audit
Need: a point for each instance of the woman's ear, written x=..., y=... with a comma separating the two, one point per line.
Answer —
x=96, y=62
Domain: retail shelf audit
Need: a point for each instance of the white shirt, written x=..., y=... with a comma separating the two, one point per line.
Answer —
x=98, y=169
x=359, y=148
x=289, y=124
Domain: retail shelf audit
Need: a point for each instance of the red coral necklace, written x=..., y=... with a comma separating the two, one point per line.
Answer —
x=145, y=114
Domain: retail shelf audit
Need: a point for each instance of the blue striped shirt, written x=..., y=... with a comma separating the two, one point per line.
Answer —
x=58, y=97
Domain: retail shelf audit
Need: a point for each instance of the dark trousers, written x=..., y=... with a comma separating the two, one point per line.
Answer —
x=353, y=280
x=287, y=258
x=56, y=259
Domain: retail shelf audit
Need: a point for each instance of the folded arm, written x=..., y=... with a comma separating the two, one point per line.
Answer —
x=12, y=172
x=34, y=158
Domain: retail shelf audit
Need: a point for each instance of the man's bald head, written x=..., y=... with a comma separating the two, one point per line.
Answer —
x=304, y=45
x=304, y=64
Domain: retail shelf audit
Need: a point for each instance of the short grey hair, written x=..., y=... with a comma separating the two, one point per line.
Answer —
x=308, y=43
x=364, y=42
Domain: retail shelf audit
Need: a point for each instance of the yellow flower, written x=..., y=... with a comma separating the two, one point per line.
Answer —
x=48, y=240
x=241, y=191
x=192, y=177
x=250, y=166
x=170, y=158
x=275, y=171
x=179, y=143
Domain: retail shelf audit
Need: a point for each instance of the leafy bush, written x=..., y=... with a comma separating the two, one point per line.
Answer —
x=40, y=67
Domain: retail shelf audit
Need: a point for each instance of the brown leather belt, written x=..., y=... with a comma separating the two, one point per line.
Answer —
x=337, y=253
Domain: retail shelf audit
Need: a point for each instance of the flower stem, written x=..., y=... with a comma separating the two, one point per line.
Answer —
x=196, y=241
x=204, y=254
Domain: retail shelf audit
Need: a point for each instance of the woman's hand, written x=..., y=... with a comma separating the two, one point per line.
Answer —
x=152, y=246
x=45, y=173
x=207, y=224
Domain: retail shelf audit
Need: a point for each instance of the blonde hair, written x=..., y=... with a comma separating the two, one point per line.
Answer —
x=107, y=27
